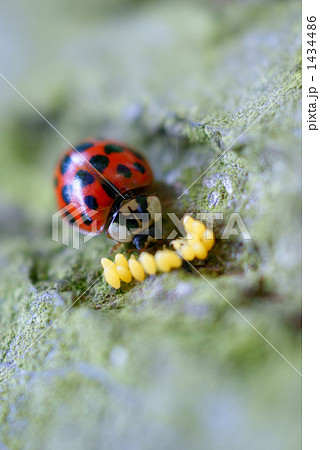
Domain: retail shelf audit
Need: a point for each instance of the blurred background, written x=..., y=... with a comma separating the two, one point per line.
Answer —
x=165, y=364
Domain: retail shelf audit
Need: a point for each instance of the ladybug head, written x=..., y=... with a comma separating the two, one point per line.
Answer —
x=135, y=219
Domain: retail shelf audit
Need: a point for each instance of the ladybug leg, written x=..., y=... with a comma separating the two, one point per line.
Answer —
x=138, y=250
x=115, y=247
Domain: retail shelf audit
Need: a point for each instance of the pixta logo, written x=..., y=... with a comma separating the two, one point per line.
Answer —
x=130, y=225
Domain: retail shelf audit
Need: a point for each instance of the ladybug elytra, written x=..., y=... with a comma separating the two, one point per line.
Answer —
x=98, y=182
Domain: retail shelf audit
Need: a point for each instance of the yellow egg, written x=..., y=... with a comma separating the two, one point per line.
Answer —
x=199, y=249
x=148, y=263
x=175, y=260
x=190, y=237
x=124, y=274
x=198, y=228
x=163, y=261
x=112, y=278
x=136, y=269
x=107, y=263
x=187, y=252
x=120, y=260
x=208, y=239
x=187, y=223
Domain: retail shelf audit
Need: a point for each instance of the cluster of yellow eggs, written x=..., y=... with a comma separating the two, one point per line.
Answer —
x=196, y=244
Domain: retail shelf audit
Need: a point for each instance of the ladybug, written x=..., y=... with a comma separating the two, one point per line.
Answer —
x=101, y=185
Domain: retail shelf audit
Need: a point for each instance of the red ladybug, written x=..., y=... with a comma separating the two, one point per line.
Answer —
x=98, y=180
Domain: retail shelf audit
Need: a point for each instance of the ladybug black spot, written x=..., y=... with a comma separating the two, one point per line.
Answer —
x=124, y=170
x=111, y=148
x=91, y=202
x=84, y=177
x=86, y=219
x=84, y=146
x=110, y=189
x=65, y=164
x=99, y=162
x=139, y=167
x=71, y=219
x=66, y=193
